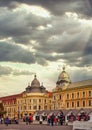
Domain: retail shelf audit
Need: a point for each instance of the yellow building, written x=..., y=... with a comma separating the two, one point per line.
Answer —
x=10, y=105
x=33, y=99
x=65, y=96
x=68, y=95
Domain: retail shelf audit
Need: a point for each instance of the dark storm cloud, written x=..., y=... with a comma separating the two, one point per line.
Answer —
x=65, y=42
x=86, y=61
x=19, y=24
x=56, y=7
x=63, y=35
x=80, y=74
x=47, y=56
x=88, y=48
x=14, y=53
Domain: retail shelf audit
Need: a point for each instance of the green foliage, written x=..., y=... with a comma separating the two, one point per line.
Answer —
x=2, y=112
x=1, y=107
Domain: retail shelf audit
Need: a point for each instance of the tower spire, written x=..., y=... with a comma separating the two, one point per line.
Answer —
x=63, y=68
x=35, y=75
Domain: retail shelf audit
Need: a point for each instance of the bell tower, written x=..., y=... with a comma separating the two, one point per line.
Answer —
x=63, y=79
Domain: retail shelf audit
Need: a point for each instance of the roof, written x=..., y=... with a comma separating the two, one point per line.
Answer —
x=35, y=82
x=63, y=76
x=80, y=84
x=11, y=97
x=35, y=87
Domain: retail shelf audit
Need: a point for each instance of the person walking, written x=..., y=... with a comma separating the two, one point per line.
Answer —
x=61, y=118
x=52, y=119
x=26, y=119
x=40, y=119
x=30, y=118
x=49, y=119
x=7, y=121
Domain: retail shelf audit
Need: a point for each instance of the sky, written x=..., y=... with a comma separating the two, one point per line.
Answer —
x=40, y=37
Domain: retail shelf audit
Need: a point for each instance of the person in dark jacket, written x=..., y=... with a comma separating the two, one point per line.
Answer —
x=7, y=120
x=61, y=118
x=52, y=119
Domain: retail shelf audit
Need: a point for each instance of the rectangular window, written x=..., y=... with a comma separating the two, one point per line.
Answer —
x=72, y=104
x=39, y=107
x=67, y=96
x=24, y=107
x=45, y=107
x=89, y=94
x=83, y=103
x=54, y=97
x=73, y=95
x=45, y=100
x=39, y=100
x=78, y=104
x=34, y=101
x=77, y=94
x=67, y=104
x=60, y=97
x=34, y=107
x=89, y=102
x=83, y=94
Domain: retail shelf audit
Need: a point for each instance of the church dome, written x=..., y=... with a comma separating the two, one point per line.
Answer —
x=35, y=82
x=64, y=76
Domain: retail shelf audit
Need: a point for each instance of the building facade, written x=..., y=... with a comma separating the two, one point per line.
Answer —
x=10, y=105
x=34, y=98
x=65, y=96
x=68, y=95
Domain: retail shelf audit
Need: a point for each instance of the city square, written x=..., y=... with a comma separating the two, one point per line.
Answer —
x=46, y=64
x=33, y=127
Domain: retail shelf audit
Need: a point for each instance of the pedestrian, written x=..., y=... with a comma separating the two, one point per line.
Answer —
x=55, y=120
x=40, y=119
x=7, y=121
x=2, y=120
x=49, y=119
x=52, y=119
x=61, y=118
x=26, y=119
x=30, y=118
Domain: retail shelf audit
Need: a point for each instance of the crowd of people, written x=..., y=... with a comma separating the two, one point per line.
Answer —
x=82, y=116
x=54, y=119
x=51, y=118
x=7, y=120
x=28, y=119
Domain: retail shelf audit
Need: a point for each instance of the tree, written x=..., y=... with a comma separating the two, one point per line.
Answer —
x=2, y=109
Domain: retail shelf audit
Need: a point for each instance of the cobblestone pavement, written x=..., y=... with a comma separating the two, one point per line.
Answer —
x=33, y=127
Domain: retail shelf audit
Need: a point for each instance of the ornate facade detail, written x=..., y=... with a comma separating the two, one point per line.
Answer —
x=35, y=87
x=63, y=79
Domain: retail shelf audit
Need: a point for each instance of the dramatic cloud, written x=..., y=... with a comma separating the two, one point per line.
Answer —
x=64, y=35
x=39, y=34
x=82, y=7
x=15, y=53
